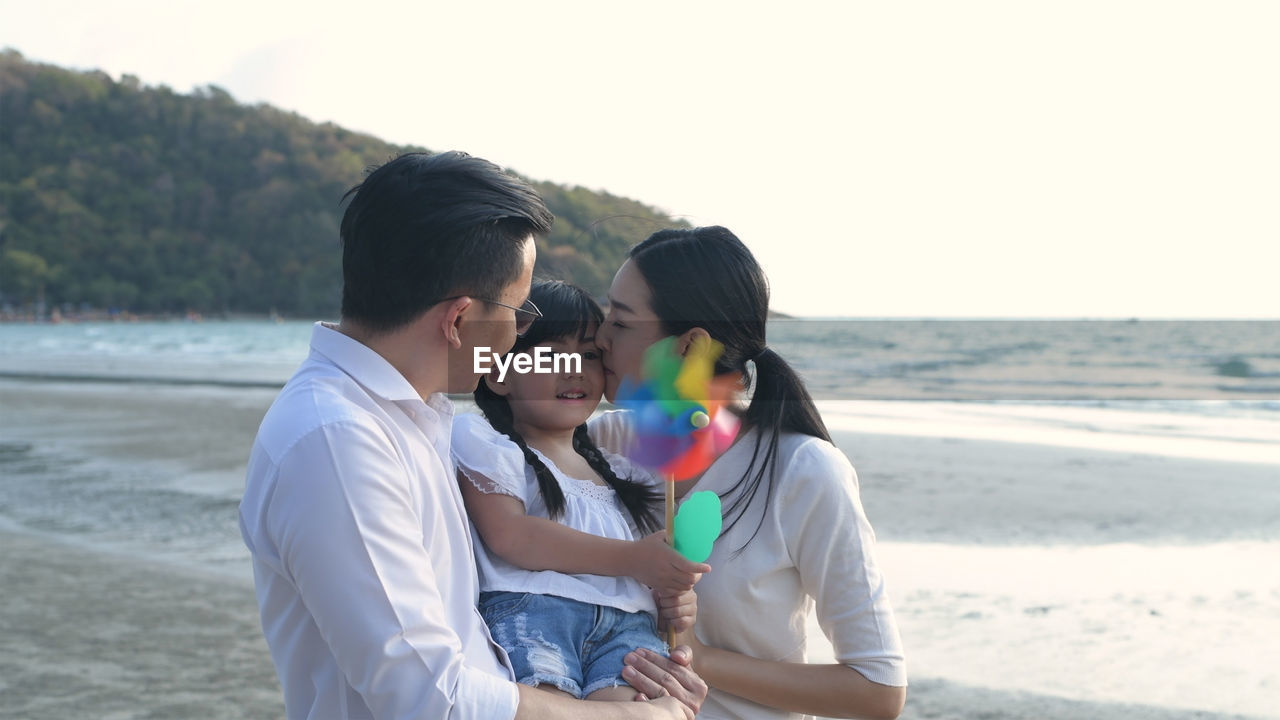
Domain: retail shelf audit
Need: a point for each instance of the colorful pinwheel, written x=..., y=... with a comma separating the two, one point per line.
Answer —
x=681, y=427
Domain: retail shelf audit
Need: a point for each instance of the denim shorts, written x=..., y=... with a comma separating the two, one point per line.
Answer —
x=570, y=645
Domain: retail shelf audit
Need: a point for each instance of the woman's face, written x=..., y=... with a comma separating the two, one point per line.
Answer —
x=629, y=328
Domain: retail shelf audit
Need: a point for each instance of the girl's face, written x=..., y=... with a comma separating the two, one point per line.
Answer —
x=556, y=402
x=629, y=329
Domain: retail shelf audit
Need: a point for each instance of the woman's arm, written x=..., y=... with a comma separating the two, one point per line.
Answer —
x=535, y=543
x=835, y=691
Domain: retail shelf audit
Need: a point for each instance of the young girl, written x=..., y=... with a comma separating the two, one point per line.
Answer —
x=564, y=559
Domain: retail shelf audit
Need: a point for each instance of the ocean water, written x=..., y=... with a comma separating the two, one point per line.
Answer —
x=978, y=360
x=1076, y=508
x=244, y=353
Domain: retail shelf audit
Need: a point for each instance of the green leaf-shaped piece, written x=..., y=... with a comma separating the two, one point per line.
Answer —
x=697, y=525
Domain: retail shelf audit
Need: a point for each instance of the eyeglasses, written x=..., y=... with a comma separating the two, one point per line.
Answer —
x=525, y=314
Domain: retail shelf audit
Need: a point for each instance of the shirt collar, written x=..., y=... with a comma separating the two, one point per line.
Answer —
x=367, y=367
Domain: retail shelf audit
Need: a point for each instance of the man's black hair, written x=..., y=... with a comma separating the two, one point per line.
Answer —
x=425, y=227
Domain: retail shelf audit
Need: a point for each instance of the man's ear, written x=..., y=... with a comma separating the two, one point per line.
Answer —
x=451, y=321
x=685, y=341
x=501, y=389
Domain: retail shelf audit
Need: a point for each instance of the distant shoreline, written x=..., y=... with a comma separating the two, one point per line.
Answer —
x=125, y=318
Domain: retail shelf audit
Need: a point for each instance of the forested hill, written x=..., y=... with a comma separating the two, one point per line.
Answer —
x=116, y=194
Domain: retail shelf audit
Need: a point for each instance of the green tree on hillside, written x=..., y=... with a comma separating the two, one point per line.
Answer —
x=142, y=198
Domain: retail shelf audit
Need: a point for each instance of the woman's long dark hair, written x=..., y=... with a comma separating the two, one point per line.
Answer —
x=705, y=277
x=567, y=311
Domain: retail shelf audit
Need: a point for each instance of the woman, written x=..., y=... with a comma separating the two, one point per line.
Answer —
x=795, y=533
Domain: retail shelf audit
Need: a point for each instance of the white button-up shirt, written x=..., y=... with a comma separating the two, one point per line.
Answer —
x=362, y=554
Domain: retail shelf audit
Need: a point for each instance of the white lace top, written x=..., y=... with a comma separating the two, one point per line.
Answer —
x=495, y=464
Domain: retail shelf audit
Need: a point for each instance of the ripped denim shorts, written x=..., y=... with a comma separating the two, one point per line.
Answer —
x=570, y=645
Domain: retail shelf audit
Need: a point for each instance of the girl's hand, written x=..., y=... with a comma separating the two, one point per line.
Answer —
x=658, y=565
x=676, y=611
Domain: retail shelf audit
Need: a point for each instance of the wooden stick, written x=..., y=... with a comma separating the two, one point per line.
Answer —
x=671, y=538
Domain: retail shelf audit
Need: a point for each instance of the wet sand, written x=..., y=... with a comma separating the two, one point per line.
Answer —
x=86, y=634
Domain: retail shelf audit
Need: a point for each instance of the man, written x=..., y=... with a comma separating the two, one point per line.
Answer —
x=362, y=554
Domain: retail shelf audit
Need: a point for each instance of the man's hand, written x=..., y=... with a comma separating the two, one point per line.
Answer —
x=671, y=708
x=654, y=676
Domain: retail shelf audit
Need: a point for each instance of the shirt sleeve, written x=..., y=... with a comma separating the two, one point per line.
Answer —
x=612, y=431
x=489, y=459
x=351, y=541
x=832, y=545
x=624, y=468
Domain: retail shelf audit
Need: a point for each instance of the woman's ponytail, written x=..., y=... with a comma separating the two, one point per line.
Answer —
x=781, y=395
x=780, y=403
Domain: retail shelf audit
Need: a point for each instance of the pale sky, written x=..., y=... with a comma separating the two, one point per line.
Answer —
x=936, y=159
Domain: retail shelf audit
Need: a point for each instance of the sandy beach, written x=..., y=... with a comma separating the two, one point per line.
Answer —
x=1006, y=562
